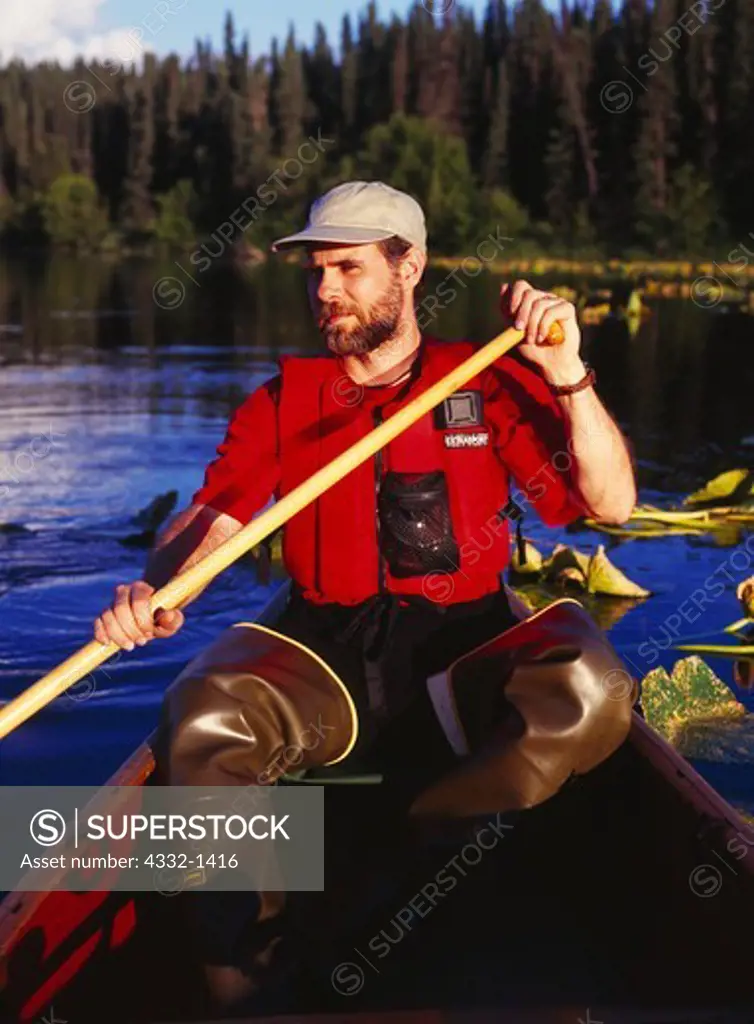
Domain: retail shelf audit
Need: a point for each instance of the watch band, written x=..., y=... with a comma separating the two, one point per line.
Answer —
x=586, y=381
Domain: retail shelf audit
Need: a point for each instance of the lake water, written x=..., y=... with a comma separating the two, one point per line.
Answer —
x=116, y=384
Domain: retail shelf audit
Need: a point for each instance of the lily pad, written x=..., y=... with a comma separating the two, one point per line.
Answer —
x=730, y=487
x=743, y=651
x=740, y=626
x=605, y=578
x=645, y=529
x=697, y=713
x=594, y=574
x=701, y=519
x=532, y=563
x=566, y=565
x=723, y=524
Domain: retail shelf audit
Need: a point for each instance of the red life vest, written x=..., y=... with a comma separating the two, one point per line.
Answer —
x=331, y=547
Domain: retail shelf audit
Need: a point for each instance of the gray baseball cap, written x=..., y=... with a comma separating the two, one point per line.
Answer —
x=361, y=211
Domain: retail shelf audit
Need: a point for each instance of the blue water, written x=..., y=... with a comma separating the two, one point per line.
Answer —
x=124, y=414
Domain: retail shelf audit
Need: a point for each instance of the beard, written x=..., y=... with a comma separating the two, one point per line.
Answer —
x=373, y=328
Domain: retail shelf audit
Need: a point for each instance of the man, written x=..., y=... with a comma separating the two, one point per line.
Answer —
x=536, y=411
x=397, y=568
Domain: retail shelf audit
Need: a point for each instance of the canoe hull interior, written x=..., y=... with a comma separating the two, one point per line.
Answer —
x=632, y=887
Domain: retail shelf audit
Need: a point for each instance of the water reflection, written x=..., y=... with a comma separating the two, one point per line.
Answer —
x=681, y=386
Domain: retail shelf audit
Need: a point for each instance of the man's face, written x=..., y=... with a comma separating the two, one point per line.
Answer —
x=357, y=298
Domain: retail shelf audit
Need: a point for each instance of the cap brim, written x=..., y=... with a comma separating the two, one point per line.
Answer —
x=347, y=236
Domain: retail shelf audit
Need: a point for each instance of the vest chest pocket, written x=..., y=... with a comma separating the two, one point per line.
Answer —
x=416, y=531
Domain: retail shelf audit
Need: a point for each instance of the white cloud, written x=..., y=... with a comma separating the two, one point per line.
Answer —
x=61, y=30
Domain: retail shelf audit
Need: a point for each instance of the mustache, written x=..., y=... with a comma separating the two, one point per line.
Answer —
x=334, y=309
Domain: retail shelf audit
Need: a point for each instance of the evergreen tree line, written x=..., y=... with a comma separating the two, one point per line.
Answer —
x=593, y=129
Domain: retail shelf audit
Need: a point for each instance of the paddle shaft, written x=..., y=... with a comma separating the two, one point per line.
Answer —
x=203, y=572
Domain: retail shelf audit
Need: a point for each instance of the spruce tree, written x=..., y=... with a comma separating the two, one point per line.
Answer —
x=287, y=98
x=349, y=80
x=137, y=208
x=655, y=148
x=494, y=174
x=321, y=78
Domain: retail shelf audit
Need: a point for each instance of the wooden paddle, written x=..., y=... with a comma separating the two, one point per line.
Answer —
x=199, y=575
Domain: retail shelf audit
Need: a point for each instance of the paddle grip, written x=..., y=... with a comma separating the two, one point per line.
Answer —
x=555, y=336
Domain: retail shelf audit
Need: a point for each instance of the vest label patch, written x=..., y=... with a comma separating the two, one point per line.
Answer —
x=461, y=409
x=479, y=439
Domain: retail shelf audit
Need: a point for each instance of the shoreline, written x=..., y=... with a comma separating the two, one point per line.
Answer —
x=731, y=276
x=669, y=270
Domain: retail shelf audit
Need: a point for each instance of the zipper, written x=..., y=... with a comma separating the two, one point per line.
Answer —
x=381, y=588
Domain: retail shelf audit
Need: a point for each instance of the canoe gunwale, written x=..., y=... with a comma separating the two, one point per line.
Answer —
x=717, y=814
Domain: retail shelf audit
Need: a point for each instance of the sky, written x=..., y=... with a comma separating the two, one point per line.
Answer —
x=60, y=30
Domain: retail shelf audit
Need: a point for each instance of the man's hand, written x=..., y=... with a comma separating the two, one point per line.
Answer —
x=186, y=540
x=534, y=312
x=129, y=622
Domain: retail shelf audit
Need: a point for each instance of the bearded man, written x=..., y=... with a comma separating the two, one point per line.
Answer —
x=421, y=528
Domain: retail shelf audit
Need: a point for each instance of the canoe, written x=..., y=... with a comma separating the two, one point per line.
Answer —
x=626, y=896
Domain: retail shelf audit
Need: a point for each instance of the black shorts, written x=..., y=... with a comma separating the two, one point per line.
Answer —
x=410, y=640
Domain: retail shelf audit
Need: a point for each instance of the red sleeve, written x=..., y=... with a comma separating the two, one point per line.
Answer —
x=244, y=476
x=532, y=439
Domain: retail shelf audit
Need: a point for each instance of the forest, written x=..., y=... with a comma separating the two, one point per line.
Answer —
x=599, y=130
